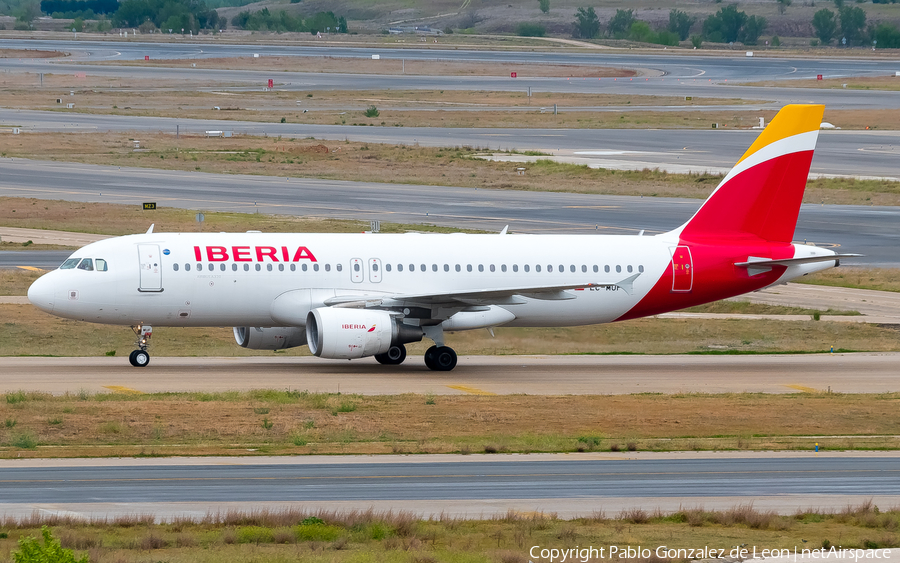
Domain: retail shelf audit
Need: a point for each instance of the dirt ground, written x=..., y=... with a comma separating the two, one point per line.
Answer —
x=301, y=422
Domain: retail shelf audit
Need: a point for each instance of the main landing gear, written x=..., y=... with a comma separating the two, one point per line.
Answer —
x=393, y=357
x=440, y=358
x=140, y=357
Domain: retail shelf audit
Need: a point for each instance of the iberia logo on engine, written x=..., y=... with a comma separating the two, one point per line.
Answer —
x=356, y=327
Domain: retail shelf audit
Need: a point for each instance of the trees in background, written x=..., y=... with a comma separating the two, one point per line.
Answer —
x=281, y=21
x=730, y=24
x=587, y=24
x=825, y=24
x=544, y=5
x=620, y=24
x=178, y=15
x=853, y=23
x=680, y=23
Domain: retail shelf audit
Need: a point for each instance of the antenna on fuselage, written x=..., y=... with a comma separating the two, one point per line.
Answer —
x=505, y=229
x=150, y=230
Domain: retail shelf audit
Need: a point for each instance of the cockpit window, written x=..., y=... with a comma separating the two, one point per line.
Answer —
x=100, y=264
x=69, y=264
x=86, y=264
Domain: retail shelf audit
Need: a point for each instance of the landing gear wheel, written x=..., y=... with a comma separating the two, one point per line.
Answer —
x=139, y=358
x=393, y=357
x=440, y=358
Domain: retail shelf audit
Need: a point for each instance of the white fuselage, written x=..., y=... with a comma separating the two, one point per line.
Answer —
x=236, y=279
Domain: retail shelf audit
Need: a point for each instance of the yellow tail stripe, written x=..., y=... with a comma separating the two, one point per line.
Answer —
x=791, y=120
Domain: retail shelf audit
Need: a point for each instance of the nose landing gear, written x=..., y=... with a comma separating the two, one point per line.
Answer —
x=140, y=357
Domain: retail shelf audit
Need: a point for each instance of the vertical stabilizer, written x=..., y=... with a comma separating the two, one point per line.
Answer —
x=760, y=198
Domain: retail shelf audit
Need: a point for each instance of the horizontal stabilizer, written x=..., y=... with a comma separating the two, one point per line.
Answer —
x=756, y=265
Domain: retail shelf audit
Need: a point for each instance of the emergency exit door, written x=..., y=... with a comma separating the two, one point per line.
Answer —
x=682, y=269
x=151, y=267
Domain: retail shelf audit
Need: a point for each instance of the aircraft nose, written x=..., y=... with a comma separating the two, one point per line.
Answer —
x=41, y=294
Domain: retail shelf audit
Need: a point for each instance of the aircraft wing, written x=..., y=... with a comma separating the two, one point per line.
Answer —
x=488, y=296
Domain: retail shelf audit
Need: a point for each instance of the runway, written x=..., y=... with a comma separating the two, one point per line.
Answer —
x=530, y=375
x=478, y=486
x=871, y=231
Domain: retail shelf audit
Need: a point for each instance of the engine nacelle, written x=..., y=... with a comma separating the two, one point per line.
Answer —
x=347, y=334
x=269, y=338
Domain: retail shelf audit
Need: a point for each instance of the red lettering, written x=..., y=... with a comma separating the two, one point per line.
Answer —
x=241, y=253
x=266, y=251
x=284, y=254
x=197, y=254
x=216, y=253
x=303, y=253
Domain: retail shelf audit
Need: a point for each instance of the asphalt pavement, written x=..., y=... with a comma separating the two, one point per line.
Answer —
x=548, y=484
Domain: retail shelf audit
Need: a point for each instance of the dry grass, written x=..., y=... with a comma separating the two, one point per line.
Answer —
x=345, y=65
x=321, y=536
x=29, y=54
x=120, y=219
x=891, y=83
x=16, y=282
x=881, y=279
x=747, y=308
x=304, y=423
x=28, y=331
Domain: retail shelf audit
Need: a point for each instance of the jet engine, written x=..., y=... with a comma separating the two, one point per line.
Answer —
x=269, y=338
x=347, y=334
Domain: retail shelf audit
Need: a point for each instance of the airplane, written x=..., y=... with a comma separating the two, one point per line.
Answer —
x=350, y=296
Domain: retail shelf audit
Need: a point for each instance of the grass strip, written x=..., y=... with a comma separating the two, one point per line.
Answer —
x=280, y=422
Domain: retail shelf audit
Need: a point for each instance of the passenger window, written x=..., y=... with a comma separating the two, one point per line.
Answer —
x=100, y=263
x=175, y=267
x=328, y=267
x=387, y=267
x=234, y=267
x=537, y=268
x=258, y=267
x=562, y=268
x=468, y=267
x=305, y=267
x=493, y=269
x=69, y=264
x=340, y=267
x=269, y=267
x=629, y=269
x=281, y=267
x=596, y=268
x=481, y=267
x=572, y=268
x=422, y=267
x=199, y=267
x=211, y=267
x=549, y=268
x=355, y=267
x=315, y=267
x=87, y=265
x=606, y=269
x=399, y=267
x=618, y=269
x=187, y=267
x=515, y=267
x=374, y=267
x=446, y=267
x=412, y=267
x=458, y=268
x=222, y=267
x=293, y=267
x=503, y=268
x=641, y=269
x=246, y=267
x=583, y=268
x=527, y=267
x=434, y=267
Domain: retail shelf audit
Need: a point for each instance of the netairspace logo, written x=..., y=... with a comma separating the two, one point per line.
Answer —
x=584, y=554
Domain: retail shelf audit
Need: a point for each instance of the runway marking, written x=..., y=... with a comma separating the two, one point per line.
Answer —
x=470, y=390
x=878, y=472
x=593, y=207
x=30, y=268
x=803, y=388
x=121, y=389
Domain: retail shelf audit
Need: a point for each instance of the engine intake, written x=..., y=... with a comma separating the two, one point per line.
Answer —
x=348, y=334
x=269, y=338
